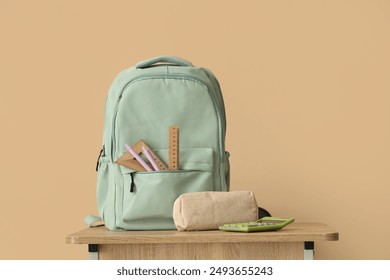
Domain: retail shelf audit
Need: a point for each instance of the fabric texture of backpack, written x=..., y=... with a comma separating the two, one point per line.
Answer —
x=143, y=102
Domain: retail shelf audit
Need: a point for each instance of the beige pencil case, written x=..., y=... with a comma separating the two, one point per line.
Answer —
x=209, y=210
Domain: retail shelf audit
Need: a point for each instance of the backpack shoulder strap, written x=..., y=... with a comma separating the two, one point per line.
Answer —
x=93, y=221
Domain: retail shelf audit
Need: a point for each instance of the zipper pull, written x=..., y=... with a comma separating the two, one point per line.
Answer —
x=132, y=185
x=101, y=154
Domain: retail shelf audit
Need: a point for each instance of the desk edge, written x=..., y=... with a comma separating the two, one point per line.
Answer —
x=72, y=239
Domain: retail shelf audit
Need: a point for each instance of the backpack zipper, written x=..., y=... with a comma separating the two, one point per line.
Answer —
x=132, y=184
x=101, y=154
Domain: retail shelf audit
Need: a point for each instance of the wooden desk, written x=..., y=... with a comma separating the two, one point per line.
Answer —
x=296, y=241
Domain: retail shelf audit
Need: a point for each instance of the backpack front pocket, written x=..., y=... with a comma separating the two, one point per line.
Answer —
x=155, y=192
x=151, y=195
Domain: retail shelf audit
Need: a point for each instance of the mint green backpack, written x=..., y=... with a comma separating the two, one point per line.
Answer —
x=143, y=102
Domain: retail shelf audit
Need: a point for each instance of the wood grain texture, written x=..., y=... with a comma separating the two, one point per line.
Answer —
x=203, y=251
x=296, y=232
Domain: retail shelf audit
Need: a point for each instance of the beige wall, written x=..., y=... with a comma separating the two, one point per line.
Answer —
x=307, y=92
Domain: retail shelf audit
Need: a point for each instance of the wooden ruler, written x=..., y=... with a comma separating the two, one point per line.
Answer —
x=173, y=148
x=129, y=161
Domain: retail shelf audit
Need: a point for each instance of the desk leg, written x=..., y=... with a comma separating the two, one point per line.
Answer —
x=93, y=252
x=309, y=250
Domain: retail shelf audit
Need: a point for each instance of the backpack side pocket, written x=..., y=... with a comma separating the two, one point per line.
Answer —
x=102, y=184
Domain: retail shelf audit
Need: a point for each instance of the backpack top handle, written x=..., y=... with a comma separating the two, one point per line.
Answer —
x=164, y=59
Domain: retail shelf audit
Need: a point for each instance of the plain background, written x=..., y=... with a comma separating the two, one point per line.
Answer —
x=307, y=94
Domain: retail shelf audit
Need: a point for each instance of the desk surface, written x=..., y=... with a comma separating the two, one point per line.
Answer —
x=296, y=232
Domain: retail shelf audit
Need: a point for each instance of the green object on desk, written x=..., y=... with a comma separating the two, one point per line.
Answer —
x=264, y=224
x=142, y=103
